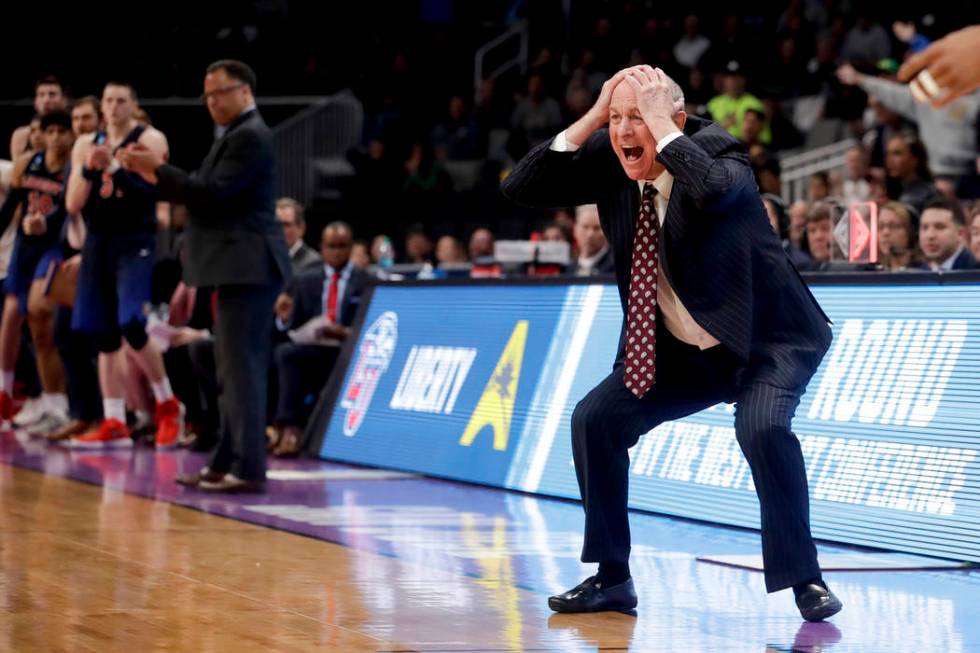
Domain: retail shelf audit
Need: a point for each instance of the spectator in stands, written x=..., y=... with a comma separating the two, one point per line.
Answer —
x=897, y=248
x=886, y=123
x=943, y=236
x=456, y=137
x=536, y=118
x=951, y=132
x=779, y=219
x=376, y=245
x=289, y=212
x=692, y=45
x=797, y=225
x=555, y=232
x=728, y=109
x=904, y=31
x=907, y=167
x=418, y=245
x=818, y=188
x=818, y=235
x=481, y=244
x=854, y=185
x=753, y=123
x=766, y=168
x=594, y=254
x=428, y=188
x=866, y=42
x=975, y=231
x=360, y=254
x=332, y=292
x=450, y=250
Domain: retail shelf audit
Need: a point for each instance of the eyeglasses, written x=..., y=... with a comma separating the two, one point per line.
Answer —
x=220, y=91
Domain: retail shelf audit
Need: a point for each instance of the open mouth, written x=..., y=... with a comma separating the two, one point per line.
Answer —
x=632, y=153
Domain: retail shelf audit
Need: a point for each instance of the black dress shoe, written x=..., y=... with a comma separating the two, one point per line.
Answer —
x=193, y=480
x=816, y=602
x=591, y=596
x=231, y=484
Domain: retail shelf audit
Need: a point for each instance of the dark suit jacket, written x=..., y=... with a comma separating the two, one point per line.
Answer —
x=305, y=258
x=965, y=261
x=306, y=289
x=605, y=264
x=717, y=248
x=232, y=234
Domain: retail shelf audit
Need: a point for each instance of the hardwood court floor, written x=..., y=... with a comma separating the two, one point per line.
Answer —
x=128, y=561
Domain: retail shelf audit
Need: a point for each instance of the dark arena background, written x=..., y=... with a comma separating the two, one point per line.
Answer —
x=417, y=487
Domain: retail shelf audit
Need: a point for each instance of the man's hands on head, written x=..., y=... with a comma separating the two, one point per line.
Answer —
x=654, y=99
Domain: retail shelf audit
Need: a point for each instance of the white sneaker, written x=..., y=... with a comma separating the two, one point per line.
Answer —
x=31, y=412
x=50, y=422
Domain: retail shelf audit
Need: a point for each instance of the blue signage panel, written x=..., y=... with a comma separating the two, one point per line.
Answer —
x=478, y=383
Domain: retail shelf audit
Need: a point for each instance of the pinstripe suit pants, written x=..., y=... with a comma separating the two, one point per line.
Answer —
x=610, y=420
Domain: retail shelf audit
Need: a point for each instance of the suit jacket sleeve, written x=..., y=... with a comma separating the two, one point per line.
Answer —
x=709, y=181
x=545, y=178
x=234, y=171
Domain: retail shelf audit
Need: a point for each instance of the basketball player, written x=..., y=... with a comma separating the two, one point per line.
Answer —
x=39, y=183
x=114, y=281
x=48, y=96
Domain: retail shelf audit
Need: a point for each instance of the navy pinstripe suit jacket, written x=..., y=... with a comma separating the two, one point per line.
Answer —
x=717, y=248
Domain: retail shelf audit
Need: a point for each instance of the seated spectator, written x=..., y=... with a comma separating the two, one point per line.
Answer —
x=554, y=232
x=975, y=231
x=728, y=109
x=797, y=225
x=289, y=212
x=779, y=219
x=594, y=254
x=481, y=244
x=855, y=186
x=360, y=254
x=943, y=236
x=331, y=292
x=692, y=45
x=897, y=248
x=907, y=168
x=536, y=118
x=818, y=235
x=819, y=187
x=456, y=137
x=866, y=42
x=449, y=250
x=418, y=245
x=753, y=122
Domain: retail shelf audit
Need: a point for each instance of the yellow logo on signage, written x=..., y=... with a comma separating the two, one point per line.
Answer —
x=496, y=406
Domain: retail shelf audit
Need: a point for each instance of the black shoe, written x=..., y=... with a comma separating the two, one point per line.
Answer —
x=591, y=596
x=231, y=484
x=193, y=480
x=816, y=602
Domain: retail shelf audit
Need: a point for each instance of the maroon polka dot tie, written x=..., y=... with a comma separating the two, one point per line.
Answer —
x=641, y=343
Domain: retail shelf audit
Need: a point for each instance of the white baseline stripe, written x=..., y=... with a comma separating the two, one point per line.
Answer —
x=560, y=396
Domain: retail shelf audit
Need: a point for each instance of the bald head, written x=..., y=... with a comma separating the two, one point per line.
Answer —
x=335, y=244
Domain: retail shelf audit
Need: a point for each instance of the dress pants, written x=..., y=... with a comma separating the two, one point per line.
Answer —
x=242, y=348
x=302, y=370
x=610, y=420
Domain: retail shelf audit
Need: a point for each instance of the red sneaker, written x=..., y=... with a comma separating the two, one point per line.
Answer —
x=170, y=423
x=111, y=433
x=6, y=407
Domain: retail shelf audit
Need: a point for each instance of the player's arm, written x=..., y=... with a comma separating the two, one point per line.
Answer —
x=81, y=178
x=17, y=193
x=18, y=141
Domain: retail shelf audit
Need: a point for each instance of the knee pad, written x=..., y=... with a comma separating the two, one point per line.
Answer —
x=108, y=342
x=135, y=334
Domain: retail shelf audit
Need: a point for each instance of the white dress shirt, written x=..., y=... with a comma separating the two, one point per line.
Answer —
x=677, y=319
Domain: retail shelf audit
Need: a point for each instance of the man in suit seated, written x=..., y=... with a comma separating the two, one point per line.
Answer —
x=331, y=291
x=594, y=255
x=713, y=312
x=943, y=236
x=289, y=213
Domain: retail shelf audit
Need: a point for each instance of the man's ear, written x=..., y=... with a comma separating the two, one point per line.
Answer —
x=680, y=119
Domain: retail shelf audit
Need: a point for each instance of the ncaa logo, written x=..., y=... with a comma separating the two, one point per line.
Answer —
x=373, y=355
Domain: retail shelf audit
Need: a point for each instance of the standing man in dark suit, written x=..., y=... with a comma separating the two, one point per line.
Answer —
x=235, y=245
x=331, y=290
x=713, y=311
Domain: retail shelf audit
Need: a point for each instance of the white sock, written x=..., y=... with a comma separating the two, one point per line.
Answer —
x=55, y=402
x=114, y=409
x=7, y=382
x=161, y=389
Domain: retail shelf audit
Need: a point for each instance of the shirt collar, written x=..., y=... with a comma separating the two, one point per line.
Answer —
x=344, y=271
x=298, y=245
x=590, y=261
x=664, y=184
x=948, y=263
